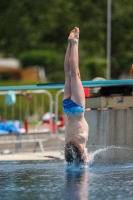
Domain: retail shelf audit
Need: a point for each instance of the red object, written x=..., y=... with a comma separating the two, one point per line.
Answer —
x=26, y=125
x=61, y=118
x=87, y=92
x=53, y=128
x=53, y=125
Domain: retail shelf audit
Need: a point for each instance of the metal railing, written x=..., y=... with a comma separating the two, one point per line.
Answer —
x=39, y=140
x=56, y=113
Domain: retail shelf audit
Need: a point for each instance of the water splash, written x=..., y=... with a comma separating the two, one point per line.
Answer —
x=62, y=153
x=84, y=167
x=104, y=149
x=93, y=154
x=76, y=168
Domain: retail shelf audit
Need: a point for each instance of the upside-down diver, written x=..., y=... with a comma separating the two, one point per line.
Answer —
x=74, y=105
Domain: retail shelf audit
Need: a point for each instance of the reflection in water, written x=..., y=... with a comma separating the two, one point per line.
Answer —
x=76, y=187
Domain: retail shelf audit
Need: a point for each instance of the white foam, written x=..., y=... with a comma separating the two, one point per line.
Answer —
x=83, y=167
x=74, y=168
x=93, y=154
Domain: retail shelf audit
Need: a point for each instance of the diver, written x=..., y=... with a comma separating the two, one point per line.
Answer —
x=74, y=105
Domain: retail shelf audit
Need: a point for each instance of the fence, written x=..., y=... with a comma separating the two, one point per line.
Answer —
x=94, y=117
x=23, y=100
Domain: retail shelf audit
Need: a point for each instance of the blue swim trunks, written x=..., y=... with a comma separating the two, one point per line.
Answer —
x=70, y=107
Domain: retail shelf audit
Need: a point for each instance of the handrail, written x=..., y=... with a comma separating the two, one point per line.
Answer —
x=40, y=140
x=61, y=85
x=56, y=113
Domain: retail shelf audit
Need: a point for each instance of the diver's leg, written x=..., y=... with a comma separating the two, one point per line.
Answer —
x=67, y=88
x=77, y=91
x=75, y=146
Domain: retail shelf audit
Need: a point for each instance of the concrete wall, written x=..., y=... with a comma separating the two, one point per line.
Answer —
x=110, y=127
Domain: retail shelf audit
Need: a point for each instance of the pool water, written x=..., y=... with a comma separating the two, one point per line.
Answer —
x=53, y=180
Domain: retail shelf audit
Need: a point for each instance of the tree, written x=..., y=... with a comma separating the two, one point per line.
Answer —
x=44, y=25
x=50, y=60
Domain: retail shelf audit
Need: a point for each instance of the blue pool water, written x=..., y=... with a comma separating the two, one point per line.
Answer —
x=52, y=180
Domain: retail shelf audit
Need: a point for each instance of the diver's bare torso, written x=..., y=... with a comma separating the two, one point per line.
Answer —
x=77, y=129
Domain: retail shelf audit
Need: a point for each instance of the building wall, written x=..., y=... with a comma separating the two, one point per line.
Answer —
x=28, y=74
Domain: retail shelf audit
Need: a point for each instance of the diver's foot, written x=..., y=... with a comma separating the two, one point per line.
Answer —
x=74, y=35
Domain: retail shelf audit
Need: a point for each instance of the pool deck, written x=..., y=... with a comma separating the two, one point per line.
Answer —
x=48, y=155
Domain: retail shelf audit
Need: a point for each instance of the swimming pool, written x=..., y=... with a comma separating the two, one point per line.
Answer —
x=51, y=180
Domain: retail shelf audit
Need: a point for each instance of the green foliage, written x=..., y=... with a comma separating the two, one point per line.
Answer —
x=50, y=60
x=44, y=25
x=95, y=67
x=27, y=25
x=122, y=37
x=42, y=58
x=57, y=76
